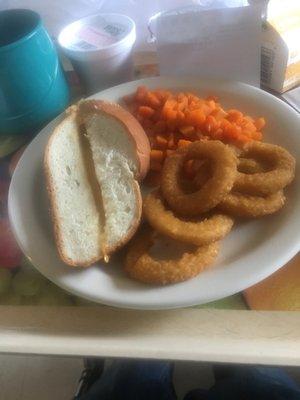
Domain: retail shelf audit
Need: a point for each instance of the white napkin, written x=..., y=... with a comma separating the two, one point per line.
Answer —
x=211, y=43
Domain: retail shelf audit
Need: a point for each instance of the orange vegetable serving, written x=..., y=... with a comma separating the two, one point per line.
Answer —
x=173, y=120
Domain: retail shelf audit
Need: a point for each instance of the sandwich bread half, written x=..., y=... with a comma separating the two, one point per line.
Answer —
x=93, y=162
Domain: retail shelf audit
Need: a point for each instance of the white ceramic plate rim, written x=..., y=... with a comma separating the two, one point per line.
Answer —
x=267, y=266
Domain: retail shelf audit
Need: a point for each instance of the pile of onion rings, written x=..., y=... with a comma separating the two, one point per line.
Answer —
x=200, y=211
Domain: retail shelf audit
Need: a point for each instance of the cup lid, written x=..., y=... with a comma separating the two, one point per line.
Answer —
x=105, y=33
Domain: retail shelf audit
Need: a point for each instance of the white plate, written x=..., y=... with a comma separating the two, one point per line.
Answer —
x=251, y=252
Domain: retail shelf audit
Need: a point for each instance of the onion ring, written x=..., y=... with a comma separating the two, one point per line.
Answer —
x=265, y=183
x=140, y=265
x=224, y=171
x=249, y=166
x=243, y=205
x=199, y=233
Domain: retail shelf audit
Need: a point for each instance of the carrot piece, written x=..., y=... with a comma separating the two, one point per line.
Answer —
x=217, y=134
x=256, y=135
x=219, y=114
x=171, y=142
x=146, y=111
x=260, y=123
x=234, y=116
x=141, y=93
x=180, y=116
x=171, y=114
x=169, y=152
x=243, y=138
x=156, y=155
x=161, y=141
x=211, y=124
x=211, y=104
x=248, y=125
x=173, y=120
x=152, y=100
x=195, y=117
x=183, y=143
x=183, y=104
x=187, y=130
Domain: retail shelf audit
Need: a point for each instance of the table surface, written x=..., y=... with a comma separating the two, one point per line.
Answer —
x=229, y=334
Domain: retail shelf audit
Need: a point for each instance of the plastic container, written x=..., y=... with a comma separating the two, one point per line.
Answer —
x=100, y=49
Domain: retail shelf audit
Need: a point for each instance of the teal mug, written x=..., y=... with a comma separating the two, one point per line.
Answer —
x=33, y=89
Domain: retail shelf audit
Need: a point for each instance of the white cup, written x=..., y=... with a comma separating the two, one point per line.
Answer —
x=100, y=49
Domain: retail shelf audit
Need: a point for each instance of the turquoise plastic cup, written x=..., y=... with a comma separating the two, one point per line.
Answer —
x=33, y=89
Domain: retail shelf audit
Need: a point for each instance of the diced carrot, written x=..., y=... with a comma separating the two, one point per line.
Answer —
x=234, y=116
x=180, y=117
x=183, y=104
x=211, y=104
x=195, y=117
x=219, y=114
x=161, y=141
x=156, y=155
x=249, y=126
x=173, y=120
x=152, y=100
x=260, y=123
x=169, y=152
x=256, y=135
x=171, y=114
x=171, y=142
x=146, y=111
x=211, y=124
x=187, y=130
x=141, y=93
x=183, y=143
x=244, y=139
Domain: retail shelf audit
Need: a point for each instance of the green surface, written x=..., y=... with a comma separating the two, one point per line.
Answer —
x=235, y=302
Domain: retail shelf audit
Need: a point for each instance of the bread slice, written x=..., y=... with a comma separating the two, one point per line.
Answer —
x=93, y=162
x=76, y=220
x=120, y=152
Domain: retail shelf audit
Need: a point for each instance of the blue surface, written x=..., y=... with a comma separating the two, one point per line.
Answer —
x=33, y=89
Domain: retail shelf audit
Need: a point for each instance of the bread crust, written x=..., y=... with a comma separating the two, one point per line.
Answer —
x=133, y=128
x=53, y=207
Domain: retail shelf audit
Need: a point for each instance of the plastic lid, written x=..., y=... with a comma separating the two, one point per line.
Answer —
x=108, y=34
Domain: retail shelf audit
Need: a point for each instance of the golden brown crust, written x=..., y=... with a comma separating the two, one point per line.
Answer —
x=214, y=189
x=53, y=202
x=200, y=232
x=247, y=206
x=135, y=131
x=140, y=265
x=264, y=183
